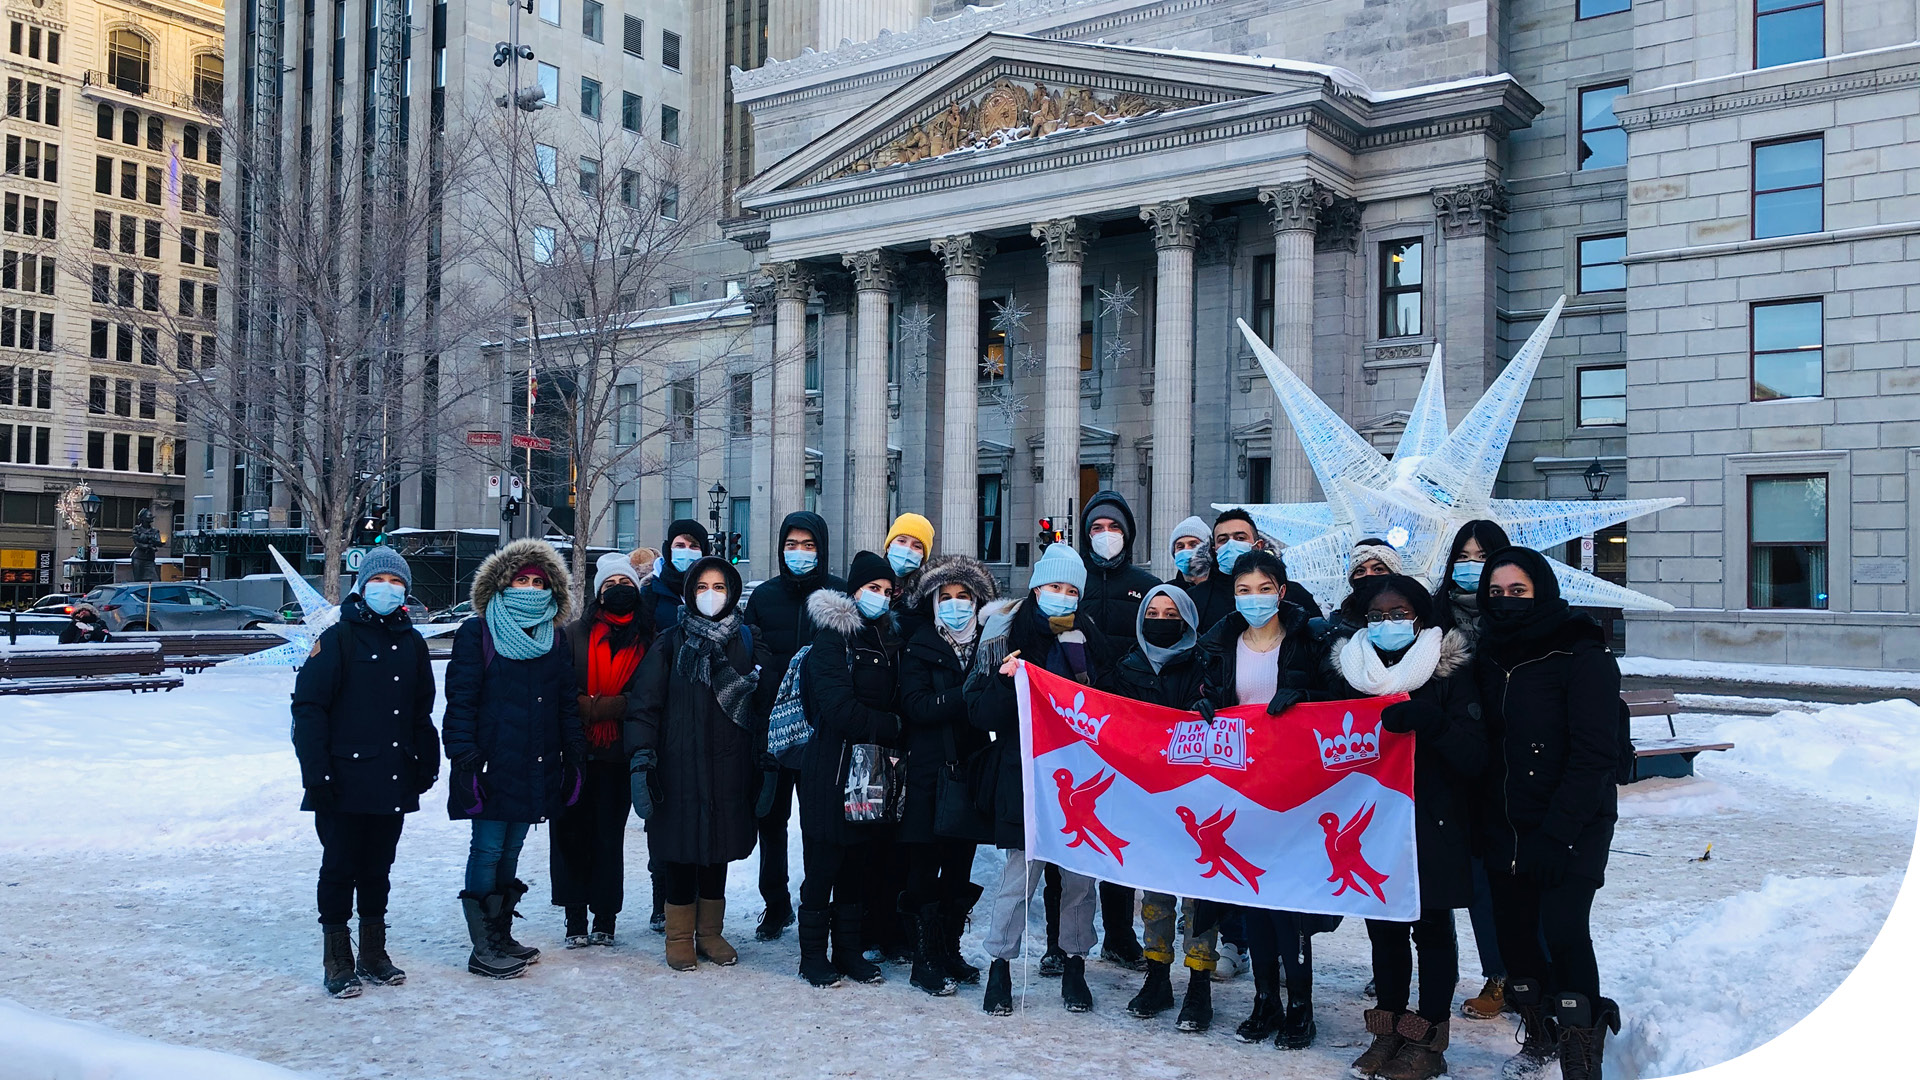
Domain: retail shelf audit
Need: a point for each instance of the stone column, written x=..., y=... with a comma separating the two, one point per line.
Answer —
x=873, y=286
x=791, y=285
x=1176, y=226
x=1064, y=242
x=1463, y=286
x=1296, y=215
x=963, y=257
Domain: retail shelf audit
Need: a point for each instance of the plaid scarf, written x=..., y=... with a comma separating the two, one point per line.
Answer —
x=702, y=659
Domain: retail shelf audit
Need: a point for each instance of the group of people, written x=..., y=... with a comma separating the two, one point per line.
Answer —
x=659, y=697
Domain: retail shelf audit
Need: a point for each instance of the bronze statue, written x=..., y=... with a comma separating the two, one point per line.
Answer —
x=146, y=540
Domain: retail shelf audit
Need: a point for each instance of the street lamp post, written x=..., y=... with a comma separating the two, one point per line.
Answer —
x=1595, y=477
x=90, y=506
x=716, y=498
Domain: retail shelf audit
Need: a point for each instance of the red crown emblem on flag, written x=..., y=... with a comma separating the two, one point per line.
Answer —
x=1347, y=748
x=1083, y=725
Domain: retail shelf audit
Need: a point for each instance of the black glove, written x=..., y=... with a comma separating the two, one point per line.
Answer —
x=1205, y=709
x=1284, y=699
x=1543, y=858
x=323, y=797
x=639, y=783
x=1418, y=717
x=469, y=761
x=769, y=789
x=424, y=779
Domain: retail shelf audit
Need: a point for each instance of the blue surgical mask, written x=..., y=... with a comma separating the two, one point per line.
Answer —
x=1257, y=608
x=1183, y=560
x=954, y=613
x=1467, y=575
x=1392, y=635
x=1054, y=604
x=683, y=558
x=902, y=558
x=800, y=560
x=870, y=603
x=384, y=597
x=1229, y=553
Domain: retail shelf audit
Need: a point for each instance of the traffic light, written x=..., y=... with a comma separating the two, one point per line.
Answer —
x=1049, y=534
x=377, y=524
x=736, y=547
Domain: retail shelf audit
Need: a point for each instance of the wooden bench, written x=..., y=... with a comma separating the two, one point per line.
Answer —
x=66, y=669
x=193, y=651
x=1671, y=756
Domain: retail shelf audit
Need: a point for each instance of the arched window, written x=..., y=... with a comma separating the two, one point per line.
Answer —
x=130, y=127
x=190, y=142
x=209, y=74
x=129, y=61
x=104, y=128
x=213, y=148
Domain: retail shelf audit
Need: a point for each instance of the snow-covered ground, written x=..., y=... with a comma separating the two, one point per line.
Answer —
x=156, y=877
x=1770, y=674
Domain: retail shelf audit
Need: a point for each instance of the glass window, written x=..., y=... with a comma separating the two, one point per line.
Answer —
x=740, y=412
x=129, y=61
x=1789, y=193
x=670, y=125
x=589, y=178
x=813, y=352
x=993, y=341
x=1788, y=31
x=1787, y=542
x=1401, y=274
x=680, y=294
x=1603, y=142
x=1259, y=479
x=739, y=515
x=670, y=50
x=550, y=82
x=632, y=116
x=209, y=81
x=679, y=509
x=1788, y=353
x=681, y=406
x=589, y=98
x=633, y=36
x=544, y=244
x=1601, y=268
x=1603, y=396
x=156, y=133
x=546, y=163
x=989, y=513
x=1263, y=298
x=626, y=414
x=626, y=517
x=593, y=17
x=550, y=11
x=670, y=203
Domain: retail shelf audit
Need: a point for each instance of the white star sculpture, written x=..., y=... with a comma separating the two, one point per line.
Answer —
x=1117, y=300
x=1010, y=317
x=916, y=329
x=1116, y=350
x=1026, y=359
x=315, y=616
x=1436, y=481
x=1011, y=407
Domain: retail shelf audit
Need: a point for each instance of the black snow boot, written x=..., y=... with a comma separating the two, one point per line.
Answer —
x=1583, y=1032
x=1074, y=993
x=999, y=999
x=1537, y=1037
x=1156, y=994
x=338, y=957
x=847, y=953
x=485, y=959
x=1196, y=1012
x=774, y=921
x=1297, y=1028
x=953, y=924
x=510, y=902
x=1118, y=943
x=928, y=974
x=1260, y=1025
x=375, y=965
x=657, y=920
x=576, y=936
x=814, y=966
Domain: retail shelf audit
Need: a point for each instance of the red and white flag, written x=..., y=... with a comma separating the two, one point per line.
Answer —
x=1309, y=811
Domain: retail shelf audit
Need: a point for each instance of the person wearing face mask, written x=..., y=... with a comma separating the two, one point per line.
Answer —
x=1263, y=652
x=1457, y=597
x=1235, y=535
x=512, y=734
x=1551, y=691
x=1192, y=548
x=1371, y=557
x=909, y=544
x=1402, y=652
x=953, y=591
x=363, y=734
x=777, y=613
x=1165, y=669
x=692, y=744
x=687, y=542
x=1042, y=628
x=852, y=694
x=586, y=856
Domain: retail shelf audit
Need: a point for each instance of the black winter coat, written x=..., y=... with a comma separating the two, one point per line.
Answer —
x=363, y=715
x=611, y=708
x=1552, y=707
x=662, y=601
x=1181, y=684
x=852, y=689
x=1447, y=771
x=517, y=717
x=1302, y=666
x=1212, y=597
x=1114, y=591
x=705, y=782
x=934, y=712
x=777, y=610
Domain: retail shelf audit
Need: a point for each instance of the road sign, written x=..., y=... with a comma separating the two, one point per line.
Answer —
x=517, y=490
x=493, y=485
x=483, y=438
x=531, y=442
x=1586, y=553
x=355, y=556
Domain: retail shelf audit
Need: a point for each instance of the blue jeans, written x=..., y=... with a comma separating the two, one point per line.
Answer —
x=494, y=856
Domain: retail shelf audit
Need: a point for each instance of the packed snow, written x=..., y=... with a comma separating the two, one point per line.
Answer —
x=156, y=875
x=1770, y=674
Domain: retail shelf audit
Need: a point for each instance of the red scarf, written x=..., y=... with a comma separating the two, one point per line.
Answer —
x=608, y=673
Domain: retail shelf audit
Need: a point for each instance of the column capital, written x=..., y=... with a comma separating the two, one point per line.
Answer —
x=1470, y=209
x=760, y=296
x=789, y=280
x=1065, y=240
x=964, y=255
x=1339, y=226
x=1219, y=240
x=872, y=270
x=1176, y=224
x=1296, y=205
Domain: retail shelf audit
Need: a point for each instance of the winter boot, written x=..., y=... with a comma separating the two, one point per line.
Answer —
x=999, y=999
x=576, y=926
x=681, y=952
x=1386, y=1043
x=953, y=923
x=1538, y=1040
x=1156, y=994
x=375, y=966
x=1053, y=962
x=774, y=921
x=1196, y=1011
x=338, y=956
x=1490, y=1002
x=1583, y=1032
x=709, y=918
x=928, y=973
x=1297, y=1028
x=1074, y=993
x=602, y=930
x=814, y=966
x=485, y=960
x=1419, y=1056
x=509, y=911
x=1233, y=961
x=848, y=958
x=657, y=921
x=1118, y=943
x=1260, y=1025
x=1370, y=991
x=902, y=946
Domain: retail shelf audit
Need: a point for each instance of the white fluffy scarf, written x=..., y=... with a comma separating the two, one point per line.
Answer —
x=1361, y=666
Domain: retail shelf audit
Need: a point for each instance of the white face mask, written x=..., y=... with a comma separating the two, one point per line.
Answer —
x=1107, y=544
x=710, y=602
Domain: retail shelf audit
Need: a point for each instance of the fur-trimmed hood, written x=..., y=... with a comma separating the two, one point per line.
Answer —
x=831, y=609
x=496, y=574
x=952, y=570
x=1456, y=652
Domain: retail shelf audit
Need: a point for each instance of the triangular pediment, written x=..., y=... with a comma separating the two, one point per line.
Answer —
x=1007, y=90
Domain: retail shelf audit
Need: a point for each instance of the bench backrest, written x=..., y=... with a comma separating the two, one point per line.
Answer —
x=109, y=658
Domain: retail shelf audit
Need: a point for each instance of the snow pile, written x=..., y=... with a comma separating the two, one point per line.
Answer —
x=1741, y=972
x=34, y=1045
x=1770, y=674
x=1663, y=797
x=1867, y=754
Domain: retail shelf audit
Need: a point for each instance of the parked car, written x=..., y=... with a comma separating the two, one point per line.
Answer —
x=173, y=606
x=54, y=604
x=459, y=612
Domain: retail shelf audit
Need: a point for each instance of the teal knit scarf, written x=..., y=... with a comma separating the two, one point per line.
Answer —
x=512, y=612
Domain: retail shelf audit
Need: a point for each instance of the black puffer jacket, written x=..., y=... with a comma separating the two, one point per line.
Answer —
x=1447, y=769
x=1302, y=665
x=851, y=680
x=777, y=610
x=611, y=708
x=932, y=706
x=363, y=715
x=1115, y=587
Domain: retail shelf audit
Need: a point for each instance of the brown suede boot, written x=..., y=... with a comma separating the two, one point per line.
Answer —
x=1490, y=1002
x=1386, y=1043
x=680, y=949
x=1419, y=1056
x=710, y=915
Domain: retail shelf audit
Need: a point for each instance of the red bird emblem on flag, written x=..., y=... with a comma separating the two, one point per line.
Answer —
x=1211, y=835
x=1083, y=822
x=1343, y=854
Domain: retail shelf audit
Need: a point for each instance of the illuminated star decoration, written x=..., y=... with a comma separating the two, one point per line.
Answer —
x=1117, y=301
x=914, y=370
x=315, y=616
x=1010, y=316
x=1436, y=481
x=1116, y=350
x=1027, y=360
x=916, y=329
x=1011, y=407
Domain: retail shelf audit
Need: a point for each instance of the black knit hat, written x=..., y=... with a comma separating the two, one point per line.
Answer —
x=689, y=527
x=867, y=566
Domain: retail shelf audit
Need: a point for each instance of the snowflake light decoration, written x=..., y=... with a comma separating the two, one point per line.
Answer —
x=1117, y=300
x=1437, y=481
x=1115, y=351
x=1010, y=316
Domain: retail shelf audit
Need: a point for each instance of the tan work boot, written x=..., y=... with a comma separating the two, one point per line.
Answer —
x=710, y=915
x=680, y=949
x=1386, y=1043
x=1490, y=1002
x=1419, y=1056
